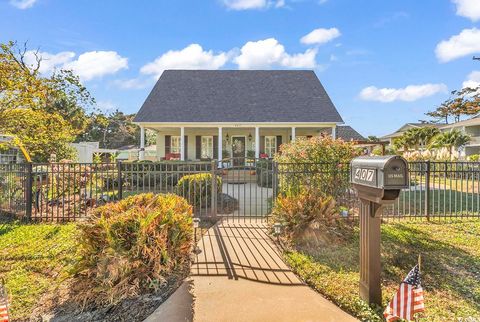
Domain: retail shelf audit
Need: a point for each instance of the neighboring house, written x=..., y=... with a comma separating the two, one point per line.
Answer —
x=215, y=114
x=347, y=133
x=9, y=153
x=391, y=137
x=470, y=127
x=87, y=150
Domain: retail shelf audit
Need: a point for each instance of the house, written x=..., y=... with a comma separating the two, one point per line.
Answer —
x=216, y=114
x=12, y=151
x=87, y=150
x=392, y=136
x=348, y=133
x=470, y=127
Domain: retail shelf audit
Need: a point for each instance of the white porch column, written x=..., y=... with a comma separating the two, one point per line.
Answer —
x=257, y=142
x=293, y=133
x=334, y=132
x=182, y=143
x=220, y=143
x=141, y=154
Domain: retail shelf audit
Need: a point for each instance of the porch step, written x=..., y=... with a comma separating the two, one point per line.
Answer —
x=239, y=176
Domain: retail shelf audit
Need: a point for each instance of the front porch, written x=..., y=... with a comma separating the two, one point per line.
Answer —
x=206, y=142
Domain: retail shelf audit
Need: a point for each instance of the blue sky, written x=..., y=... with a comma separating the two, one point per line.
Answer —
x=384, y=63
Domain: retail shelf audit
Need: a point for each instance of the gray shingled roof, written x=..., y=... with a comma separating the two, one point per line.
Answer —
x=347, y=133
x=238, y=96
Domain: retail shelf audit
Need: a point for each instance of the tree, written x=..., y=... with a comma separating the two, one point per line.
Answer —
x=22, y=86
x=465, y=102
x=115, y=130
x=416, y=137
x=46, y=112
x=452, y=139
x=41, y=132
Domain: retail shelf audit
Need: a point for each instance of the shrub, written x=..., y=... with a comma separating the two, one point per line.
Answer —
x=319, y=162
x=474, y=157
x=197, y=188
x=131, y=246
x=306, y=209
x=317, y=150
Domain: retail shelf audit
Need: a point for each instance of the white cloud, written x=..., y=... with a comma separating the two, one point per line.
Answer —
x=95, y=64
x=473, y=80
x=23, y=4
x=465, y=43
x=133, y=83
x=87, y=66
x=408, y=94
x=320, y=36
x=191, y=57
x=269, y=53
x=48, y=61
x=252, y=4
x=107, y=106
x=468, y=9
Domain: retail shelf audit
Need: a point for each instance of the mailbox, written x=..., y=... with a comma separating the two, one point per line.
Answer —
x=378, y=181
x=379, y=178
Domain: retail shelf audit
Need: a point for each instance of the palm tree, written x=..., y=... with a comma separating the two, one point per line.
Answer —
x=426, y=134
x=413, y=138
x=452, y=139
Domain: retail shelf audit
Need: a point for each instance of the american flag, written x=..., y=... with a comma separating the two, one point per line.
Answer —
x=408, y=300
x=3, y=305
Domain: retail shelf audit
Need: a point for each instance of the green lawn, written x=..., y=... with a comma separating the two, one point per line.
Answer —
x=34, y=259
x=442, y=202
x=451, y=268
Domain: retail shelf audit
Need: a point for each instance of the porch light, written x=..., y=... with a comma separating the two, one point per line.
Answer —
x=227, y=138
x=250, y=137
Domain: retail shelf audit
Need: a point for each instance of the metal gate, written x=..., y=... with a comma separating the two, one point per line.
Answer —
x=248, y=188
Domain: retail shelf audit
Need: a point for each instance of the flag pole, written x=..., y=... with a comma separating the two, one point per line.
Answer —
x=419, y=270
x=4, y=294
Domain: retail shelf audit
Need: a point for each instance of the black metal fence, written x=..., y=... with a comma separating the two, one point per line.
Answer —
x=440, y=190
x=243, y=188
x=70, y=191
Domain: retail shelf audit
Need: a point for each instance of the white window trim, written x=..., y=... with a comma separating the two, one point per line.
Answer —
x=210, y=153
x=274, y=145
x=175, y=149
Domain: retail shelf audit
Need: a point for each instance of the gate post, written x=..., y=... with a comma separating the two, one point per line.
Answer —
x=214, y=171
x=28, y=190
x=427, y=190
x=120, y=180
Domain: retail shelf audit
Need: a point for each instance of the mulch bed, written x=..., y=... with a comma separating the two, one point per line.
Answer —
x=58, y=306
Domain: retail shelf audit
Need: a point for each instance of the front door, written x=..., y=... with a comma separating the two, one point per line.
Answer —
x=238, y=150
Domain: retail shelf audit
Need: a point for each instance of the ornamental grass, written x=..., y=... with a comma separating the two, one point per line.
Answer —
x=131, y=246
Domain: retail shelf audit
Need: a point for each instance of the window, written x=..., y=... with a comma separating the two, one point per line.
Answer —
x=270, y=145
x=175, y=144
x=207, y=147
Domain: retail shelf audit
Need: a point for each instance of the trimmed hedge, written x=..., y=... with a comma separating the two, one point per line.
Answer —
x=130, y=246
x=197, y=188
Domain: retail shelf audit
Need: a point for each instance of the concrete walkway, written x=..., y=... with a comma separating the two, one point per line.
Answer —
x=239, y=275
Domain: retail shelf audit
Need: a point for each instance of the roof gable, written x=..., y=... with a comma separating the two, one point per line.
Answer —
x=238, y=96
x=347, y=133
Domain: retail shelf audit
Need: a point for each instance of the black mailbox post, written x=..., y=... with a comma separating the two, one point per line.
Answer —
x=378, y=181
